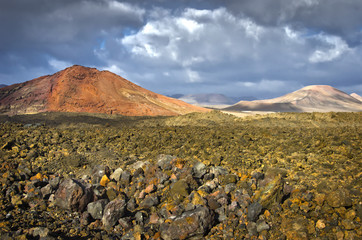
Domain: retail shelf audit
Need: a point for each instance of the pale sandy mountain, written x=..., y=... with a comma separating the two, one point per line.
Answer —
x=83, y=89
x=314, y=98
x=356, y=96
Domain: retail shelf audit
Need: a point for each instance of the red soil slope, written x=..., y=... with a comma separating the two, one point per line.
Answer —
x=82, y=89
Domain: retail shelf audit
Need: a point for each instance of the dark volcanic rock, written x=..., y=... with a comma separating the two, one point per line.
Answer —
x=98, y=172
x=254, y=210
x=125, y=178
x=190, y=224
x=252, y=229
x=72, y=195
x=199, y=170
x=164, y=161
x=113, y=211
x=149, y=201
x=96, y=208
x=46, y=191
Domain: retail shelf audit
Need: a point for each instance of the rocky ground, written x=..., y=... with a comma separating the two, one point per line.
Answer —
x=212, y=176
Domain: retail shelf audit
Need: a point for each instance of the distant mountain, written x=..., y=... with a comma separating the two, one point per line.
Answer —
x=2, y=85
x=315, y=98
x=177, y=95
x=209, y=99
x=356, y=96
x=83, y=89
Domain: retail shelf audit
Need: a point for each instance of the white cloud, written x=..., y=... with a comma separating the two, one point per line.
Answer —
x=190, y=25
x=291, y=33
x=115, y=69
x=193, y=76
x=193, y=50
x=267, y=85
x=268, y=88
x=194, y=36
x=58, y=64
x=337, y=48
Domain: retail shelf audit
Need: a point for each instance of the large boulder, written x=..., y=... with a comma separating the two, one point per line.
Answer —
x=271, y=190
x=195, y=223
x=73, y=195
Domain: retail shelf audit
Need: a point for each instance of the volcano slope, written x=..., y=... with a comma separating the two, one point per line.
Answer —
x=201, y=175
x=83, y=89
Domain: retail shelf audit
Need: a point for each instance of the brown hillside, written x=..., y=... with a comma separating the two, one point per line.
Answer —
x=82, y=89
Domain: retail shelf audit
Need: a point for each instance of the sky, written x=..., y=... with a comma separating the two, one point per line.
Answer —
x=248, y=48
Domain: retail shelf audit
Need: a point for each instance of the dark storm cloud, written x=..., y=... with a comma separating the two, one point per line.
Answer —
x=34, y=31
x=49, y=22
x=337, y=17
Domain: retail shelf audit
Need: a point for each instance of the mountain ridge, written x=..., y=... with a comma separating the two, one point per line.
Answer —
x=356, y=96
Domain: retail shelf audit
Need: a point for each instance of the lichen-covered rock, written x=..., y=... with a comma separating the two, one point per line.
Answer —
x=193, y=223
x=113, y=211
x=295, y=227
x=339, y=198
x=179, y=190
x=104, y=181
x=271, y=191
x=229, y=178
